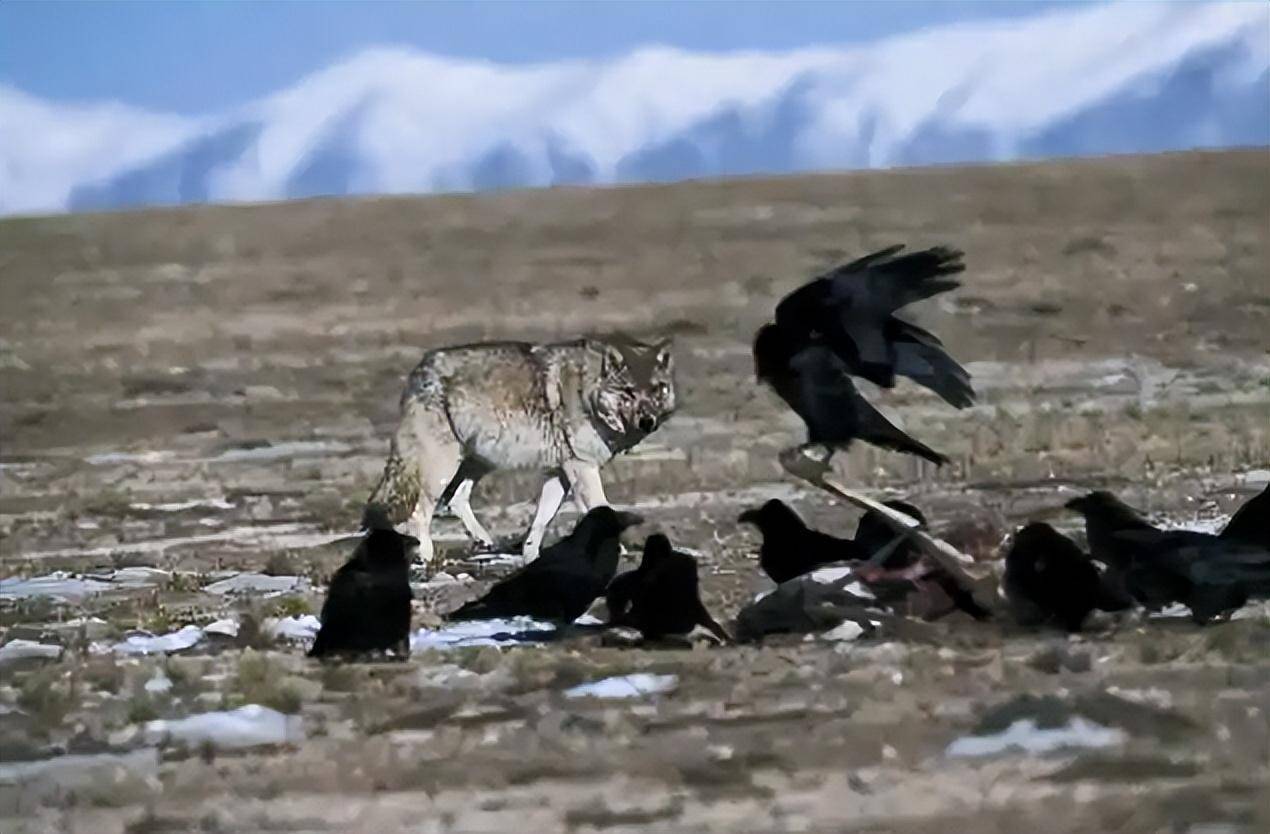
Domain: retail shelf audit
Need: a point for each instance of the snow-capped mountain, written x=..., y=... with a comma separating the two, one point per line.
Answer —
x=1126, y=77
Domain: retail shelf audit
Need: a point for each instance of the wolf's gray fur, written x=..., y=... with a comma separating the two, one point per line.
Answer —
x=566, y=407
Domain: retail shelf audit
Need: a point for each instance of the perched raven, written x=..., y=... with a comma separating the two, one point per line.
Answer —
x=840, y=325
x=367, y=606
x=662, y=596
x=565, y=579
x=791, y=548
x=1049, y=578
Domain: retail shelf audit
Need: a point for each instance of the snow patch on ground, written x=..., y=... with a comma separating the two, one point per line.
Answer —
x=146, y=643
x=20, y=649
x=1025, y=737
x=258, y=583
x=625, y=686
x=249, y=726
x=301, y=629
x=478, y=633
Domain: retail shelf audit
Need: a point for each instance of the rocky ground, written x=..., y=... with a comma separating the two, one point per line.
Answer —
x=196, y=402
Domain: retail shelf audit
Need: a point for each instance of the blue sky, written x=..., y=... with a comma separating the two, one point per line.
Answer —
x=196, y=57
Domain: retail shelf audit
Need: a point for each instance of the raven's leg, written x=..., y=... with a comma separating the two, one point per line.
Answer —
x=809, y=461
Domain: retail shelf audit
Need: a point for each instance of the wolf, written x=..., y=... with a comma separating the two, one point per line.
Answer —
x=565, y=407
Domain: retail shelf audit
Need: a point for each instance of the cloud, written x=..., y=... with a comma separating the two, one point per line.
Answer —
x=1082, y=79
x=47, y=149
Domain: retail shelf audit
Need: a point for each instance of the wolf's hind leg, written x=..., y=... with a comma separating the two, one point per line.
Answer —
x=549, y=501
x=425, y=436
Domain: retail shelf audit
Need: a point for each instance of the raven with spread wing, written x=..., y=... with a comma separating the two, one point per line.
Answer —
x=842, y=324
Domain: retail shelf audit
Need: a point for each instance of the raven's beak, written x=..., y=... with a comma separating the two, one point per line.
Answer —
x=1077, y=504
x=629, y=519
x=750, y=516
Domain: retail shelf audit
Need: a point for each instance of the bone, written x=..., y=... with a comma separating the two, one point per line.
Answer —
x=977, y=578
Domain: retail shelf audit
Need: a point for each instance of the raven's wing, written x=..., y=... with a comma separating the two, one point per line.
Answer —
x=850, y=307
x=921, y=357
x=1233, y=562
x=1157, y=544
x=876, y=429
x=879, y=284
x=1251, y=522
x=620, y=593
x=871, y=287
x=552, y=591
x=835, y=411
x=814, y=383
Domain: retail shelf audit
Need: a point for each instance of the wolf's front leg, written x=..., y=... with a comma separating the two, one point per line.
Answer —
x=461, y=504
x=588, y=489
x=549, y=501
x=419, y=525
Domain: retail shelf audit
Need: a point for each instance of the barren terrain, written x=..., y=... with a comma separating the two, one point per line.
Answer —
x=191, y=395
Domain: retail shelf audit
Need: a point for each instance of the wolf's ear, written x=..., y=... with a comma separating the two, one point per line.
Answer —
x=663, y=354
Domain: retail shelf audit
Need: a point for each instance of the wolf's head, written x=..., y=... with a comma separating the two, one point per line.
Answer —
x=636, y=390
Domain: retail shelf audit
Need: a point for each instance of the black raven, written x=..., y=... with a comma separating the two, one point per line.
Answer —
x=662, y=596
x=367, y=606
x=1106, y=516
x=803, y=606
x=565, y=578
x=791, y=548
x=841, y=324
x=1049, y=578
